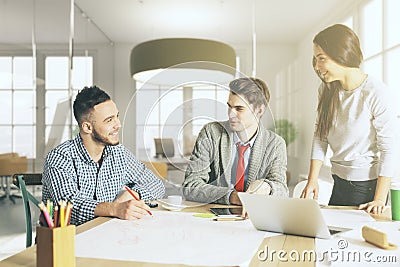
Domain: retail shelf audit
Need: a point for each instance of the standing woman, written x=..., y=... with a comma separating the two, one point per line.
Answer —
x=355, y=118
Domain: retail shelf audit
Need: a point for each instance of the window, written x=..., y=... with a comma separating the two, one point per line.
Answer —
x=380, y=41
x=20, y=120
x=371, y=29
x=17, y=106
x=178, y=113
x=58, y=115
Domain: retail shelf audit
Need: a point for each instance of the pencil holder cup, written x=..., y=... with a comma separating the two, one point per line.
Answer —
x=55, y=246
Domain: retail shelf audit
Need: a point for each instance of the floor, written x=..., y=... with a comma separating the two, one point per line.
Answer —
x=12, y=222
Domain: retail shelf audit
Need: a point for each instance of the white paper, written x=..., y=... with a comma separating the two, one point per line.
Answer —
x=345, y=218
x=349, y=248
x=172, y=238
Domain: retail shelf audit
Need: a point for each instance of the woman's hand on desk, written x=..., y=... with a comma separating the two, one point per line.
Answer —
x=378, y=204
x=311, y=187
x=375, y=206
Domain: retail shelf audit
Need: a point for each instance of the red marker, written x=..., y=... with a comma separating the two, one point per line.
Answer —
x=135, y=197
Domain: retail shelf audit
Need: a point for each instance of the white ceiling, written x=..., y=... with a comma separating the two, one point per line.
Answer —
x=135, y=21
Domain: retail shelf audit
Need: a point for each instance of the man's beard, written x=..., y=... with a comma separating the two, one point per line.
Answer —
x=100, y=139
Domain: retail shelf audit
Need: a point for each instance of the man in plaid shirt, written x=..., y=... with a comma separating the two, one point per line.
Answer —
x=91, y=169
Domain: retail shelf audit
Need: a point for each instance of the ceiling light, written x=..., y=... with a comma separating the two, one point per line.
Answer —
x=173, y=61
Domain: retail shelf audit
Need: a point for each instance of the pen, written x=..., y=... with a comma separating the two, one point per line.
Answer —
x=135, y=197
x=226, y=219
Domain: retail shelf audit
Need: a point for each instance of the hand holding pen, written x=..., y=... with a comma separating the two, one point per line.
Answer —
x=137, y=199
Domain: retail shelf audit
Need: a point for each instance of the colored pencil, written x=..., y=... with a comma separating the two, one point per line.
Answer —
x=46, y=215
x=135, y=197
x=48, y=206
x=68, y=212
x=51, y=210
x=62, y=213
x=56, y=216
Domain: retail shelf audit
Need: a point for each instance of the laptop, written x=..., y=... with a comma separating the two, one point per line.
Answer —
x=285, y=215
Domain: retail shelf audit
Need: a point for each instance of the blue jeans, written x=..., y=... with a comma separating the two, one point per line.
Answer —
x=351, y=193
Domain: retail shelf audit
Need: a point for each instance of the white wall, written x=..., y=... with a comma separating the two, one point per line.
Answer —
x=124, y=90
x=271, y=58
x=307, y=84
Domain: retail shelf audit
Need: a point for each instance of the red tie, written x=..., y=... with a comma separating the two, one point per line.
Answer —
x=239, y=185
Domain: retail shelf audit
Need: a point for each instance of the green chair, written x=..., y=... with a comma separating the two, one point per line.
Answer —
x=21, y=181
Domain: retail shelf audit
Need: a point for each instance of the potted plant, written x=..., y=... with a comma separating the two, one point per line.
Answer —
x=288, y=132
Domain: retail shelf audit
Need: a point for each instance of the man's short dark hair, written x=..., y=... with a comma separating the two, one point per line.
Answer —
x=254, y=90
x=85, y=101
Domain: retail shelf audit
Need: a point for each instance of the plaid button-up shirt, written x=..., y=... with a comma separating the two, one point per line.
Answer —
x=70, y=174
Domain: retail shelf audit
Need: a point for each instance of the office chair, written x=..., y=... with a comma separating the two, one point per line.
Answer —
x=325, y=191
x=21, y=181
x=164, y=147
x=11, y=163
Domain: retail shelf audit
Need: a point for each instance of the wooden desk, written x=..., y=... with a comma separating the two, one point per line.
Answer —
x=282, y=242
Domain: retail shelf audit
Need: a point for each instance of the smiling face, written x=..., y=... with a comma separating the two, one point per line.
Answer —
x=105, y=123
x=327, y=69
x=243, y=117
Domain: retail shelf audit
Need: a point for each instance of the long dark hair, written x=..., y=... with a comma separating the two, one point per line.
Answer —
x=342, y=45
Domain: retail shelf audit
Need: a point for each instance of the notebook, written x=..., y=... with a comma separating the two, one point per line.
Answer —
x=285, y=215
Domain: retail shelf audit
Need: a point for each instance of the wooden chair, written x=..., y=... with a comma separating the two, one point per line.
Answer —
x=158, y=168
x=22, y=180
x=11, y=163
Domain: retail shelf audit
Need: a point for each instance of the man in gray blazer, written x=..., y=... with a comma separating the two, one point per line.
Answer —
x=217, y=172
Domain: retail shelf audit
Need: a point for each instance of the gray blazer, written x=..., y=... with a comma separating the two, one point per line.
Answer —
x=208, y=176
